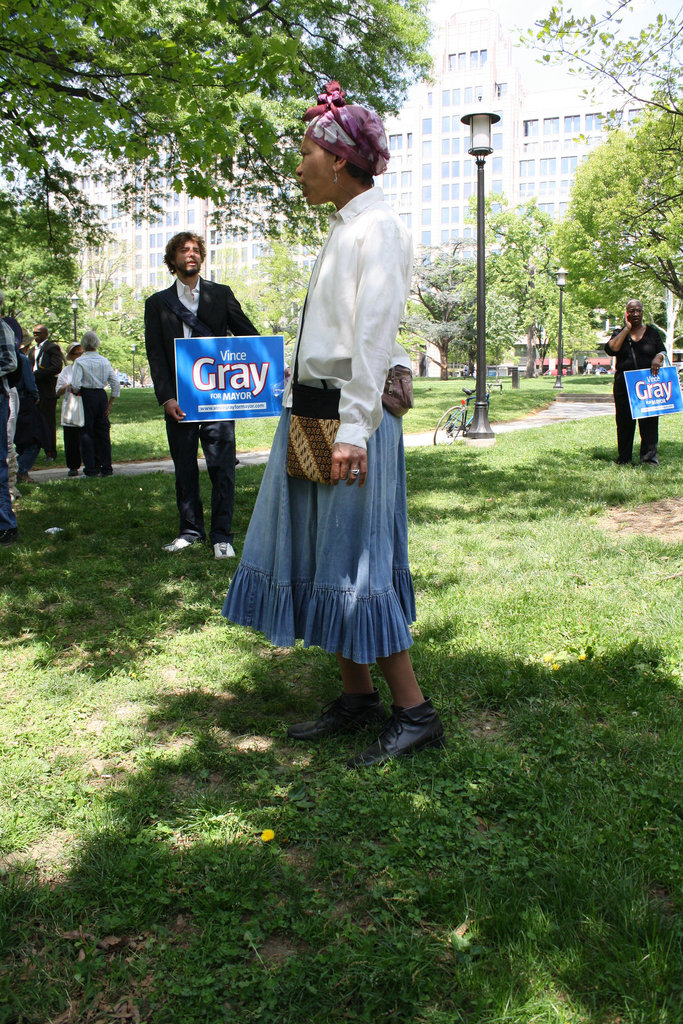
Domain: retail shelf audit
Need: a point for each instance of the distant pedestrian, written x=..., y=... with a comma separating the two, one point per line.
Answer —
x=92, y=373
x=636, y=346
x=8, y=372
x=72, y=433
x=47, y=364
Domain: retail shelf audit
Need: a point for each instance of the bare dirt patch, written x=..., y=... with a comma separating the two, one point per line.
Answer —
x=663, y=519
x=487, y=726
x=51, y=856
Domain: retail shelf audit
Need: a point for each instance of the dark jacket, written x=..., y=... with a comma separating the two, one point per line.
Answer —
x=48, y=367
x=218, y=309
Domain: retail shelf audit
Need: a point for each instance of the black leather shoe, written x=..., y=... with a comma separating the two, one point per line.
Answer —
x=407, y=731
x=347, y=713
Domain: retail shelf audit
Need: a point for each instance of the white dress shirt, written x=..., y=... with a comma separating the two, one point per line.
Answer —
x=190, y=299
x=356, y=298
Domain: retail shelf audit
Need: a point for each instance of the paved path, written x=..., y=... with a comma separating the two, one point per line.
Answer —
x=558, y=412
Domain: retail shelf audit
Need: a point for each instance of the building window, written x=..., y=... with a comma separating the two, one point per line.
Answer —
x=474, y=58
x=426, y=126
x=430, y=97
x=406, y=178
x=497, y=186
x=444, y=236
x=527, y=168
x=468, y=95
x=395, y=142
x=426, y=238
x=427, y=150
x=455, y=168
x=446, y=98
x=462, y=61
x=455, y=215
x=634, y=115
x=452, y=62
x=427, y=172
x=530, y=129
x=190, y=216
x=497, y=141
x=456, y=97
x=138, y=241
x=594, y=122
x=569, y=164
x=572, y=124
x=551, y=126
x=409, y=140
x=445, y=124
x=467, y=190
x=445, y=147
x=501, y=89
x=426, y=217
x=483, y=57
x=549, y=166
x=446, y=169
x=426, y=193
x=497, y=165
x=455, y=191
x=467, y=168
x=445, y=191
x=445, y=214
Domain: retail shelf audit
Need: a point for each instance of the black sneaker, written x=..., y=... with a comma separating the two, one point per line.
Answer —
x=407, y=731
x=347, y=713
x=9, y=536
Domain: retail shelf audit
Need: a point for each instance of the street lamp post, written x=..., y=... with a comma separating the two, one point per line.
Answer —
x=561, y=282
x=74, y=306
x=480, y=146
x=132, y=349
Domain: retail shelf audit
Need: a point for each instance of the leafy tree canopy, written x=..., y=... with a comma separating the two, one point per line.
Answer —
x=643, y=63
x=624, y=231
x=201, y=95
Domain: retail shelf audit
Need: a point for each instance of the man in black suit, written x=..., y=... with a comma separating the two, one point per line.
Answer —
x=48, y=361
x=194, y=307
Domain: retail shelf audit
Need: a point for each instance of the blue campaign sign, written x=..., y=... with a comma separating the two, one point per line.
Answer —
x=653, y=396
x=230, y=378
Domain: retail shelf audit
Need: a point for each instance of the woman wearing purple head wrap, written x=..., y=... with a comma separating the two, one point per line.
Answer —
x=329, y=565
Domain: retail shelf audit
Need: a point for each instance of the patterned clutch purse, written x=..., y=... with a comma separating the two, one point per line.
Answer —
x=309, y=448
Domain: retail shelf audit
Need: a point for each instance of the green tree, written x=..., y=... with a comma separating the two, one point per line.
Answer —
x=442, y=308
x=623, y=235
x=642, y=63
x=199, y=95
x=520, y=267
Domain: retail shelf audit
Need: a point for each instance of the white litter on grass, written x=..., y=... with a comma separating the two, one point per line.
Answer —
x=54, y=529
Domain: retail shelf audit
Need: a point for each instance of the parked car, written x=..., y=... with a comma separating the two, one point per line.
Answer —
x=124, y=379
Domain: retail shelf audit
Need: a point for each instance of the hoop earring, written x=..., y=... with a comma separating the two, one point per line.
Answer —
x=335, y=178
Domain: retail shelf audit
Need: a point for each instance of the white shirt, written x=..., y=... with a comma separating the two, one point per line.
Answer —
x=91, y=370
x=190, y=299
x=356, y=298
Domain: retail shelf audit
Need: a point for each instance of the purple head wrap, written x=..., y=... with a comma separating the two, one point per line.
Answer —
x=349, y=131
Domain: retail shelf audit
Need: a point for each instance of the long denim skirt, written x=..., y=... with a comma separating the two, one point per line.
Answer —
x=329, y=565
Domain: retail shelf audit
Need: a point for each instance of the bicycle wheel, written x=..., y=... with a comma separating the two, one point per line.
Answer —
x=450, y=425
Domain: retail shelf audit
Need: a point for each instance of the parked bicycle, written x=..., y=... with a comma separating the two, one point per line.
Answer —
x=457, y=420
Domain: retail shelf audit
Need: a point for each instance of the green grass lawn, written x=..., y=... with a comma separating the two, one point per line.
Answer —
x=529, y=874
x=138, y=432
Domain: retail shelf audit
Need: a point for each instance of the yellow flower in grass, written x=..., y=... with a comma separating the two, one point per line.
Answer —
x=547, y=658
x=555, y=666
x=582, y=657
x=267, y=835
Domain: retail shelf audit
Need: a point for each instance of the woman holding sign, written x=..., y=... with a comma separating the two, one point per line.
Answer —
x=636, y=346
x=328, y=562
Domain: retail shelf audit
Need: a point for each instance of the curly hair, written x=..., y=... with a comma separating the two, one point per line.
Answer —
x=176, y=242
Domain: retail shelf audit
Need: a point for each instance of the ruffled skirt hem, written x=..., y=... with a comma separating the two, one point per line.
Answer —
x=361, y=627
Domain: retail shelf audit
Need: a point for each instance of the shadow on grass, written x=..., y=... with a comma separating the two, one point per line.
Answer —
x=532, y=864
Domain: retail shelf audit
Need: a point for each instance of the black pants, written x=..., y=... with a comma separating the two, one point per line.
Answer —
x=626, y=429
x=95, y=438
x=218, y=444
x=48, y=407
x=72, y=446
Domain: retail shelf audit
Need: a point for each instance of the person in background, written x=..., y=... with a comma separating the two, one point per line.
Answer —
x=12, y=467
x=47, y=364
x=329, y=564
x=9, y=363
x=636, y=346
x=92, y=373
x=72, y=435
